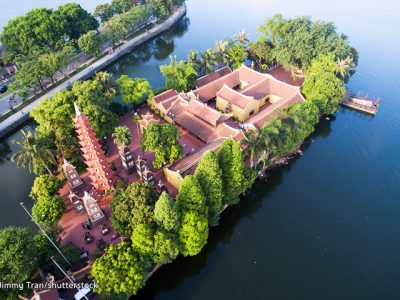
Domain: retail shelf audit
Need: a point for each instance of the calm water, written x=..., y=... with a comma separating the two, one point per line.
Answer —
x=327, y=226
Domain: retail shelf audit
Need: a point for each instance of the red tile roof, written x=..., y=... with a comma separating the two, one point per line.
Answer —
x=165, y=95
x=204, y=112
x=213, y=76
x=259, y=90
x=209, y=91
x=234, y=97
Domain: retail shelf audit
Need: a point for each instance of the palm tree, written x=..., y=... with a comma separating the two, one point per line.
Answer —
x=221, y=50
x=193, y=58
x=344, y=67
x=35, y=154
x=242, y=37
x=122, y=136
x=255, y=145
x=207, y=61
x=108, y=86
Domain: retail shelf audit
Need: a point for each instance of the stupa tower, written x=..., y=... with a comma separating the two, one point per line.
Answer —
x=99, y=171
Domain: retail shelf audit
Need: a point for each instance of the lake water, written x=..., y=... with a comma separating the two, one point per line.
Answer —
x=327, y=226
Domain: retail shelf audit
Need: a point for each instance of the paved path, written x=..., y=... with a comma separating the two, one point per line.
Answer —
x=21, y=116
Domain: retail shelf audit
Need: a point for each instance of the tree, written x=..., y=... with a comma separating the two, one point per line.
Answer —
x=254, y=142
x=90, y=43
x=273, y=28
x=230, y=160
x=48, y=210
x=207, y=62
x=121, y=270
x=121, y=6
x=242, y=37
x=44, y=186
x=104, y=12
x=133, y=206
x=114, y=29
x=79, y=20
x=143, y=239
x=166, y=246
x=191, y=196
x=237, y=56
x=209, y=176
x=344, y=67
x=133, y=90
x=163, y=140
x=17, y=254
x=322, y=87
x=34, y=155
x=221, y=52
x=193, y=233
x=180, y=76
x=166, y=213
x=122, y=136
x=161, y=9
x=261, y=53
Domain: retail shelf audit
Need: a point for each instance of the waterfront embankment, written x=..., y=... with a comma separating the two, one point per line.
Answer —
x=125, y=47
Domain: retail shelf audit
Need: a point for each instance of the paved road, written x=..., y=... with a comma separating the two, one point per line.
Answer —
x=98, y=65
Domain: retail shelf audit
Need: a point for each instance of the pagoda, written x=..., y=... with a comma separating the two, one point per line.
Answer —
x=99, y=171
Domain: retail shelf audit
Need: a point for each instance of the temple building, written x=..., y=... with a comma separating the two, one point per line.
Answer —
x=102, y=177
x=74, y=181
x=93, y=210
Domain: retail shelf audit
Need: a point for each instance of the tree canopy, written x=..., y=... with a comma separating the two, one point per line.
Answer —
x=163, y=140
x=121, y=270
x=43, y=186
x=90, y=43
x=47, y=210
x=133, y=90
x=180, y=76
x=133, y=206
x=166, y=213
x=322, y=86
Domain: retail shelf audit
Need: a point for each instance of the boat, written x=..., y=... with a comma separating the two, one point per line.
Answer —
x=361, y=103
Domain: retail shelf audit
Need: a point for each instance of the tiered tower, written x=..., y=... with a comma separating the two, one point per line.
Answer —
x=99, y=171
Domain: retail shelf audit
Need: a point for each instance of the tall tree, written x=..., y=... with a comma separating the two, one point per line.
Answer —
x=121, y=6
x=79, y=20
x=34, y=155
x=163, y=140
x=322, y=86
x=180, y=76
x=209, y=176
x=255, y=145
x=221, y=51
x=17, y=254
x=161, y=9
x=207, y=61
x=242, y=37
x=237, y=56
x=48, y=210
x=122, y=136
x=90, y=43
x=193, y=233
x=166, y=246
x=230, y=160
x=114, y=29
x=133, y=206
x=44, y=186
x=133, y=90
x=166, y=213
x=104, y=12
x=143, y=239
x=120, y=271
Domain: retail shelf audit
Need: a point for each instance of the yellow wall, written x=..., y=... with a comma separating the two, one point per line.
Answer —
x=173, y=178
x=274, y=98
x=238, y=112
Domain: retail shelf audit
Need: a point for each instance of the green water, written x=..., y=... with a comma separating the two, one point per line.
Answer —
x=327, y=226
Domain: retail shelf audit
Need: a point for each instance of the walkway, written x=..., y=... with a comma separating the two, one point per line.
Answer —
x=21, y=116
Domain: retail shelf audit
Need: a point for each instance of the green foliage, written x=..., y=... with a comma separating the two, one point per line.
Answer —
x=114, y=29
x=134, y=90
x=180, y=76
x=321, y=85
x=90, y=43
x=237, y=56
x=209, y=176
x=191, y=196
x=261, y=53
x=166, y=213
x=143, y=239
x=48, y=210
x=230, y=160
x=35, y=154
x=163, y=140
x=193, y=233
x=207, y=61
x=79, y=21
x=133, y=206
x=166, y=246
x=18, y=254
x=43, y=186
x=121, y=6
x=104, y=12
x=296, y=42
x=122, y=136
x=161, y=9
x=121, y=270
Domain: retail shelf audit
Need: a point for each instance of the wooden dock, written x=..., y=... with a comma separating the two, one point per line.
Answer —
x=361, y=103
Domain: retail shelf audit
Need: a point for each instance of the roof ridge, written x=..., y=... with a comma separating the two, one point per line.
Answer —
x=236, y=92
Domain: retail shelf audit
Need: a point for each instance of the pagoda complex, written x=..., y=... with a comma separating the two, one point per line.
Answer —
x=102, y=177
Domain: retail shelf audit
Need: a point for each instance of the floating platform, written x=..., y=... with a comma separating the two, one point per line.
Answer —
x=361, y=103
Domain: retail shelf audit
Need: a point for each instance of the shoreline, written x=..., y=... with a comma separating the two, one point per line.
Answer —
x=20, y=117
